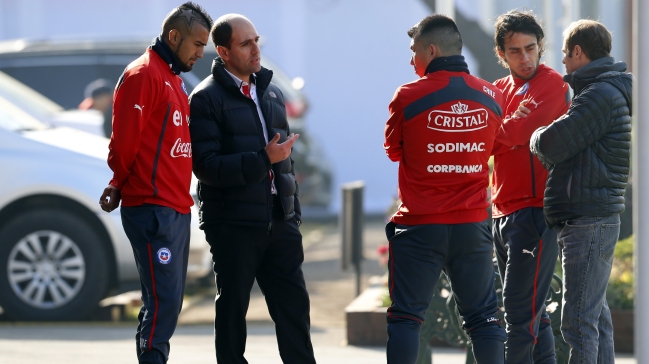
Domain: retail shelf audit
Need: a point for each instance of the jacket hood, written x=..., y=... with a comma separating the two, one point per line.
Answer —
x=605, y=66
x=621, y=81
x=604, y=69
x=262, y=78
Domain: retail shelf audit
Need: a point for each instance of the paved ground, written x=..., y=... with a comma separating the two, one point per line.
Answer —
x=110, y=344
x=330, y=290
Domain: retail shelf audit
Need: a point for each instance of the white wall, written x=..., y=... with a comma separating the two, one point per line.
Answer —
x=353, y=54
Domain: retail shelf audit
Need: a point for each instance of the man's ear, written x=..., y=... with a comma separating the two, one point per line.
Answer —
x=433, y=52
x=577, y=52
x=173, y=37
x=501, y=54
x=223, y=52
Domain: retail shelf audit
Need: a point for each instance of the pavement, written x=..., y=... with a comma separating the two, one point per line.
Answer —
x=330, y=289
x=113, y=343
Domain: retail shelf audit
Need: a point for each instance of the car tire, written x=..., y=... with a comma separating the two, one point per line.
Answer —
x=53, y=267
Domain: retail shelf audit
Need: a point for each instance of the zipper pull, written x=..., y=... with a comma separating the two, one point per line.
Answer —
x=270, y=226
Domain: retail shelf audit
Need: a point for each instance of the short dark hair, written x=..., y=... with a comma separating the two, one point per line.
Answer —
x=516, y=21
x=592, y=36
x=188, y=13
x=222, y=32
x=440, y=30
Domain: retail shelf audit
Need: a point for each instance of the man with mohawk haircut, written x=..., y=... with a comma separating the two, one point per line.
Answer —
x=150, y=155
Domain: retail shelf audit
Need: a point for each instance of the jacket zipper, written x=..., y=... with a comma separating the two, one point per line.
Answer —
x=157, y=153
x=269, y=197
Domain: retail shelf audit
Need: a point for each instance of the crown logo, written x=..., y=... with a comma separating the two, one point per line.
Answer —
x=460, y=108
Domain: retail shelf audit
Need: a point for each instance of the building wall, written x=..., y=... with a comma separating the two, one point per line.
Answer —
x=352, y=54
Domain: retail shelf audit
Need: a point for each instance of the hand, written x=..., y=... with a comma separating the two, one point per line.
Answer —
x=279, y=152
x=109, y=200
x=522, y=111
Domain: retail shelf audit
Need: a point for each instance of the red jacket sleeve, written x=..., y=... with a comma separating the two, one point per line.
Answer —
x=499, y=148
x=546, y=105
x=132, y=107
x=393, y=144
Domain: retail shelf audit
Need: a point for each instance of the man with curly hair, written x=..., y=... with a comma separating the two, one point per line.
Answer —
x=534, y=95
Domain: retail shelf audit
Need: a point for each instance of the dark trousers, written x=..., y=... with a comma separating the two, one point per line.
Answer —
x=418, y=254
x=274, y=257
x=159, y=237
x=527, y=253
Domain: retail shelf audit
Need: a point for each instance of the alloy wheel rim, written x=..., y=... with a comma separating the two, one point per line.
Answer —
x=46, y=269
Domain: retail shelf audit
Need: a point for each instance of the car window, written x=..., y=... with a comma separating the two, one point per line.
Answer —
x=27, y=99
x=63, y=83
x=14, y=119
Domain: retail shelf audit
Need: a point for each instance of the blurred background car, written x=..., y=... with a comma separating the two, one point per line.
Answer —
x=61, y=254
x=61, y=70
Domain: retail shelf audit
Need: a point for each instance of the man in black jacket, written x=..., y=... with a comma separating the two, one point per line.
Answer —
x=249, y=206
x=587, y=154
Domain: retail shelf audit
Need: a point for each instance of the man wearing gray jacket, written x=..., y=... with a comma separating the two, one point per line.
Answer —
x=587, y=154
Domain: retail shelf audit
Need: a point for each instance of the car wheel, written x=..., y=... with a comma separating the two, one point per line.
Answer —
x=53, y=267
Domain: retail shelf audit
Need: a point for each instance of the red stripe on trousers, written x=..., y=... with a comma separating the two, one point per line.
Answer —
x=536, y=278
x=155, y=298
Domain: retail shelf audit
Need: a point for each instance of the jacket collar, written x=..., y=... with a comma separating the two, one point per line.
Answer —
x=167, y=55
x=451, y=64
x=262, y=78
x=590, y=72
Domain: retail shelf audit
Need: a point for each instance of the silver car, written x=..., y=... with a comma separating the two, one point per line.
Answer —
x=61, y=69
x=60, y=253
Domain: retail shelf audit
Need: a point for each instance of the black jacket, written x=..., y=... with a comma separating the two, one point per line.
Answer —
x=587, y=150
x=229, y=158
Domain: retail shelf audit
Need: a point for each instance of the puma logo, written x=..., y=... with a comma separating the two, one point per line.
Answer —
x=525, y=251
x=139, y=108
x=168, y=84
x=536, y=104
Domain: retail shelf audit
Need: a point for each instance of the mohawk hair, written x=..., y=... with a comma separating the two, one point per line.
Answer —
x=185, y=16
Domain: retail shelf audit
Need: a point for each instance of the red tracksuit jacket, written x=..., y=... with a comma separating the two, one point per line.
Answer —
x=441, y=130
x=518, y=179
x=150, y=150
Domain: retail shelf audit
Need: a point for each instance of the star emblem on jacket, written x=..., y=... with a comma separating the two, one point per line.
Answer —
x=460, y=108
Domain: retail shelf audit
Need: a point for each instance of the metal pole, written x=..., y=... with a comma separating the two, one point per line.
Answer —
x=351, y=223
x=357, y=265
x=640, y=175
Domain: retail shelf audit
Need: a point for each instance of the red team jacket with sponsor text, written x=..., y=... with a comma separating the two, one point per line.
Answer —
x=150, y=149
x=518, y=179
x=441, y=130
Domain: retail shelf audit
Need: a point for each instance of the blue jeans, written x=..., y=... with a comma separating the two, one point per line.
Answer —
x=587, y=246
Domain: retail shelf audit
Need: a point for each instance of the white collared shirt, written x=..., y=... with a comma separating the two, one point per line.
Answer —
x=253, y=96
